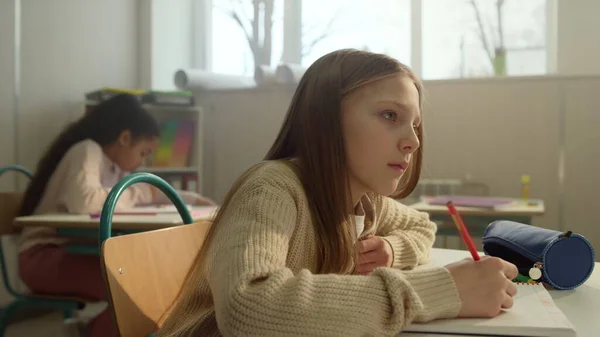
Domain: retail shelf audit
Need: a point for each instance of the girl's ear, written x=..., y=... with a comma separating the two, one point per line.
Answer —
x=125, y=138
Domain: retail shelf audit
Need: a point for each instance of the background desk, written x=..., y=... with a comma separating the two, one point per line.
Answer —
x=84, y=226
x=119, y=222
x=477, y=219
x=581, y=305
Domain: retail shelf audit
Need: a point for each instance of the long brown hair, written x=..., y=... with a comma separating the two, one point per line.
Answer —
x=312, y=134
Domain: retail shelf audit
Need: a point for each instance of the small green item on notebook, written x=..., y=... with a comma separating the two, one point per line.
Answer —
x=521, y=278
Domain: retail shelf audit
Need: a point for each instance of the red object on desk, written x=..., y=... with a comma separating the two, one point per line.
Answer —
x=462, y=229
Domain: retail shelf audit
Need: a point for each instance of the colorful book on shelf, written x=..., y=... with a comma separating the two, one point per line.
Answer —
x=149, y=97
x=107, y=93
x=175, y=144
x=183, y=143
x=164, y=152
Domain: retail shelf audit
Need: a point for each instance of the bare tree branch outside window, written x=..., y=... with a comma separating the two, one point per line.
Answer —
x=492, y=35
x=325, y=32
x=496, y=51
x=258, y=27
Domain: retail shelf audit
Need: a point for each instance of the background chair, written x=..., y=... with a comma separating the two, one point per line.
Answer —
x=9, y=208
x=145, y=271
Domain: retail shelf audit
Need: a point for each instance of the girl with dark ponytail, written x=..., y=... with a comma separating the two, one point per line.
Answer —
x=75, y=175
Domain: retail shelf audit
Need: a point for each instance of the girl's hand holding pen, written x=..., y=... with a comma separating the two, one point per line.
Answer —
x=485, y=287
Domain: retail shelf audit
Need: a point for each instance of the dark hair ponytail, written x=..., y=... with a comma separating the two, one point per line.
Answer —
x=104, y=124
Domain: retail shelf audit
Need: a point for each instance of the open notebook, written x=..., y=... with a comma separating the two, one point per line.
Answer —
x=533, y=314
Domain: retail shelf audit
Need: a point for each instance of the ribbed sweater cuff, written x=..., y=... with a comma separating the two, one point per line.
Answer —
x=403, y=255
x=437, y=292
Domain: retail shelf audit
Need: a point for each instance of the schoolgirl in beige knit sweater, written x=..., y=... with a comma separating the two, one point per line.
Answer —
x=309, y=243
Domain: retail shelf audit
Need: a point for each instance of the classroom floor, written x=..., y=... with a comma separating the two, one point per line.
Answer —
x=48, y=325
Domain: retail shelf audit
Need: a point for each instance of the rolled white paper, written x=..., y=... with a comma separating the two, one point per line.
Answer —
x=196, y=79
x=289, y=73
x=264, y=75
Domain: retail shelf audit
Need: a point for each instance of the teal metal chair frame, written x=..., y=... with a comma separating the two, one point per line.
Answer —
x=115, y=193
x=108, y=209
x=21, y=300
x=105, y=230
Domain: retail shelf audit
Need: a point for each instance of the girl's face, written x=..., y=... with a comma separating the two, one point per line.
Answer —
x=379, y=124
x=130, y=153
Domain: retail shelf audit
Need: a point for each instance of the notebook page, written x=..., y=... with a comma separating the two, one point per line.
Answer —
x=554, y=312
x=534, y=314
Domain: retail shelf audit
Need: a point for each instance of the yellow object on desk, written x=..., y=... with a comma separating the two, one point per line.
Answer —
x=525, y=191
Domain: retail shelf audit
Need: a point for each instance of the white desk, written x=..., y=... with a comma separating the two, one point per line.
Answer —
x=515, y=208
x=121, y=222
x=477, y=219
x=581, y=306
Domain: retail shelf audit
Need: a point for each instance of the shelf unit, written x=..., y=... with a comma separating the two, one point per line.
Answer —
x=195, y=167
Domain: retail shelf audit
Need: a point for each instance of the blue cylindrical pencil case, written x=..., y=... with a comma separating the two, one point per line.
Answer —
x=563, y=260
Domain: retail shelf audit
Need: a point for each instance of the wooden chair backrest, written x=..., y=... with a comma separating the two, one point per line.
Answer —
x=145, y=271
x=10, y=202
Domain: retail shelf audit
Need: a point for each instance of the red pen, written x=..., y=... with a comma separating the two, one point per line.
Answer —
x=462, y=229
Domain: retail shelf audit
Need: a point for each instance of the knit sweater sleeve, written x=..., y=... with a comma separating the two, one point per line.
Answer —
x=255, y=294
x=410, y=233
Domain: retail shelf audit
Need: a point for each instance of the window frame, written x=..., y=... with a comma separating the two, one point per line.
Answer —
x=292, y=34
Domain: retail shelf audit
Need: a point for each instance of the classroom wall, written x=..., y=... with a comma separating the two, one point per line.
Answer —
x=239, y=128
x=495, y=130
x=6, y=90
x=68, y=47
x=582, y=176
x=578, y=41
